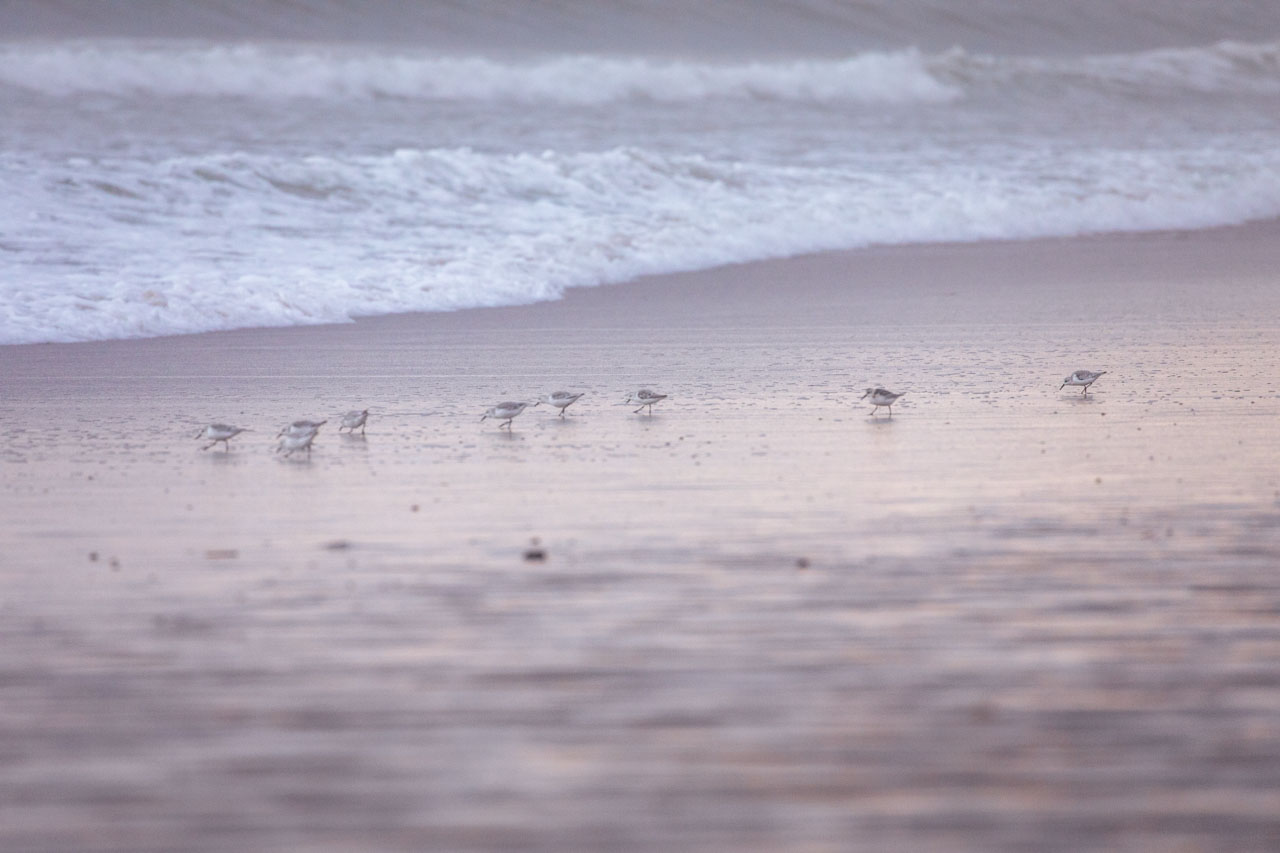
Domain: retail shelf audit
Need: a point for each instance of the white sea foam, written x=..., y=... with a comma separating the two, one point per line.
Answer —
x=275, y=71
x=118, y=248
x=906, y=76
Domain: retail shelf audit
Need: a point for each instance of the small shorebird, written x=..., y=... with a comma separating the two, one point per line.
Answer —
x=219, y=432
x=505, y=412
x=645, y=397
x=292, y=441
x=560, y=399
x=881, y=397
x=301, y=427
x=1084, y=378
x=354, y=419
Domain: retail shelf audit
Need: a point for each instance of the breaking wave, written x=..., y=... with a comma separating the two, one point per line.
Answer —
x=260, y=71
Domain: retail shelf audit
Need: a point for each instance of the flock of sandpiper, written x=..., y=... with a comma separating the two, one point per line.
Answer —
x=299, y=435
x=295, y=437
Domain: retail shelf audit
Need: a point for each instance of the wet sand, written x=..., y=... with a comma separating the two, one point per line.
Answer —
x=1006, y=618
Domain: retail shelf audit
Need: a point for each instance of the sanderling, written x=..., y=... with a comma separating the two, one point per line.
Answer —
x=219, y=432
x=300, y=427
x=560, y=399
x=354, y=419
x=1084, y=378
x=300, y=439
x=645, y=397
x=881, y=397
x=505, y=412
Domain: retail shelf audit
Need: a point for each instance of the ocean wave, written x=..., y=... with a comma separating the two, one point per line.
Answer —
x=237, y=240
x=278, y=71
x=1225, y=68
x=907, y=76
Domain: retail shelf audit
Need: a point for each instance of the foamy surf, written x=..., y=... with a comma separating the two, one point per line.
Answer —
x=214, y=242
x=282, y=72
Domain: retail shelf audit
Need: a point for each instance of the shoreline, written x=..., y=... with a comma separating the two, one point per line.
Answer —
x=702, y=286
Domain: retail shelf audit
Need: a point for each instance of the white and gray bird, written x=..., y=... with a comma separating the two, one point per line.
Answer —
x=505, y=412
x=219, y=432
x=645, y=397
x=881, y=397
x=559, y=399
x=1083, y=378
x=293, y=441
x=354, y=419
x=301, y=427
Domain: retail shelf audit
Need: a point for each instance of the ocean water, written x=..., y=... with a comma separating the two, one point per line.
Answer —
x=167, y=170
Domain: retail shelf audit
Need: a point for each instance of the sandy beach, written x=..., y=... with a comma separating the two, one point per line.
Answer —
x=1006, y=618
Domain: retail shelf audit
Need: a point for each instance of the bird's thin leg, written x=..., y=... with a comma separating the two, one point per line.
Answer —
x=636, y=411
x=361, y=429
